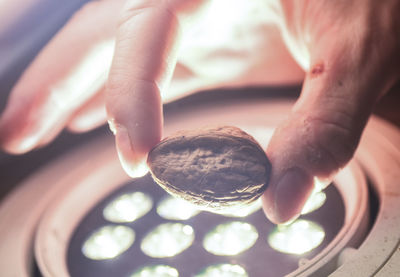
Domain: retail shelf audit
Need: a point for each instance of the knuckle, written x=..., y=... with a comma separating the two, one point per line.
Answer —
x=333, y=141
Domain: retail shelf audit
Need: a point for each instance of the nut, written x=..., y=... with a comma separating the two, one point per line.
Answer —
x=216, y=168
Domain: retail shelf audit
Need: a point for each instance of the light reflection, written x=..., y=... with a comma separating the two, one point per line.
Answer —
x=229, y=239
x=167, y=240
x=297, y=238
x=243, y=211
x=176, y=209
x=156, y=271
x=86, y=78
x=128, y=207
x=108, y=242
x=314, y=202
x=223, y=270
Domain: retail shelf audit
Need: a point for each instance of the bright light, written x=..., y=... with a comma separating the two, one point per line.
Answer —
x=156, y=271
x=86, y=78
x=229, y=239
x=243, y=211
x=314, y=202
x=176, y=209
x=223, y=270
x=128, y=207
x=167, y=240
x=108, y=242
x=297, y=238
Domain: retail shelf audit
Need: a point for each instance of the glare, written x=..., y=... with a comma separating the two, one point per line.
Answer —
x=244, y=210
x=261, y=134
x=297, y=238
x=167, y=240
x=314, y=202
x=231, y=238
x=156, y=271
x=86, y=78
x=128, y=207
x=108, y=242
x=176, y=209
x=223, y=270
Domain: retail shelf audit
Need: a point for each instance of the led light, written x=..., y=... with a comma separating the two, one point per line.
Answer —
x=244, y=211
x=223, y=270
x=128, y=207
x=314, y=202
x=176, y=209
x=156, y=271
x=167, y=240
x=297, y=238
x=229, y=239
x=108, y=242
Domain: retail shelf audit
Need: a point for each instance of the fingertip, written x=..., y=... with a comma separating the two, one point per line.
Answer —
x=132, y=156
x=11, y=139
x=134, y=168
x=284, y=200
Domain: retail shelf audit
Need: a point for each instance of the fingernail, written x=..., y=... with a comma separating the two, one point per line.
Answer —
x=133, y=165
x=291, y=193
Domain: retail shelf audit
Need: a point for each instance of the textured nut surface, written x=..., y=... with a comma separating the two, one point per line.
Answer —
x=214, y=168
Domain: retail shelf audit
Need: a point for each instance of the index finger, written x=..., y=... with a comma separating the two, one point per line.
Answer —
x=145, y=57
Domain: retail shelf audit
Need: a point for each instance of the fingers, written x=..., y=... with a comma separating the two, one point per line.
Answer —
x=322, y=133
x=67, y=72
x=145, y=56
x=90, y=115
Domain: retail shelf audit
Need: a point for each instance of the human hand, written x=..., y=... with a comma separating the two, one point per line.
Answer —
x=65, y=85
x=317, y=139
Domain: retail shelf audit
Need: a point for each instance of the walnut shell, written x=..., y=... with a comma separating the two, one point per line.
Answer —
x=216, y=168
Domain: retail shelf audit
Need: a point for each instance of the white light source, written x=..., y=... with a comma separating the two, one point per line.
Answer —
x=297, y=238
x=223, y=270
x=167, y=240
x=176, y=209
x=243, y=211
x=314, y=202
x=128, y=207
x=231, y=238
x=108, y=242
x=156, y=271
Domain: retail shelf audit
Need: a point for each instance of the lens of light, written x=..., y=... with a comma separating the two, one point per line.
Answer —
x=314, y=202
x=128, y=207
x=223, y=270
x=297, y=238
x=167, y=240
x=244, y=211
x=176, y=209
x=156, y=271
x=229, y=239
x=108, y=242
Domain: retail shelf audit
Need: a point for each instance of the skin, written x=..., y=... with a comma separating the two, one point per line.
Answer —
x=345, y=52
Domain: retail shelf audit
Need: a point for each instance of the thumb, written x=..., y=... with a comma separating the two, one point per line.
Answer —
x=323, y=130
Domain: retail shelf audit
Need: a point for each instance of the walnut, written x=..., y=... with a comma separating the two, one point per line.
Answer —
x=215, y=168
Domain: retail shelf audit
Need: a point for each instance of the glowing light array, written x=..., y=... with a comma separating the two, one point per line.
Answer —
x=128, y=207
x=108, y=242
x=230, y=238
x=297, y=238
x=156, y=271
x=167, y=240
x=223, y=270
x=176, y=209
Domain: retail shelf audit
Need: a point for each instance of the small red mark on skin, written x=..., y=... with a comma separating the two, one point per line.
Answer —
x=317, y=70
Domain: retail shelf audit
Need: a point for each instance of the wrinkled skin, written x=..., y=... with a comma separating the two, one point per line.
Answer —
x=346, y=52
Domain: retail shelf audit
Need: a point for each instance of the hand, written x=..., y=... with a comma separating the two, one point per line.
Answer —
x=156, y=55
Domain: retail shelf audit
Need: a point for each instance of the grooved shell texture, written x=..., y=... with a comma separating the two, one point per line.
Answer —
x=215, y=168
